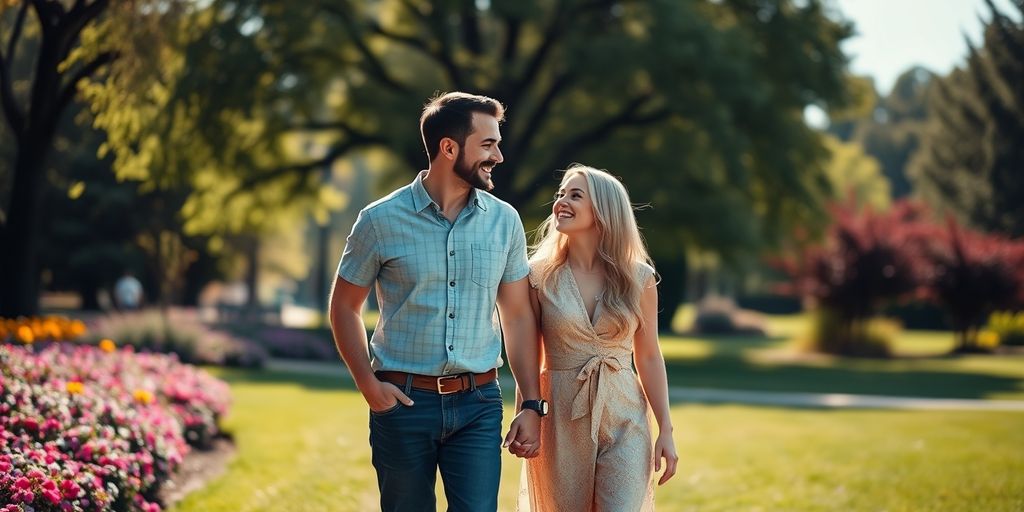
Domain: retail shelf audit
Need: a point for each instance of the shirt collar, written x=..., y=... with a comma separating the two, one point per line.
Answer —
x=421, y=199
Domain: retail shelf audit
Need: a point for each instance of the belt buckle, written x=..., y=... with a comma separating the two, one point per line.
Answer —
x=440, y=384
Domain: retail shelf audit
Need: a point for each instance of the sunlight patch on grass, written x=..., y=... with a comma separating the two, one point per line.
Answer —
x=302, y=444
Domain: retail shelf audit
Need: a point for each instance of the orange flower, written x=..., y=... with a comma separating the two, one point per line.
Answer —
x=107, y=345
x=76, y=329
x=143, y=397
x=24, y=334
x=52, y=330
x=75, y=388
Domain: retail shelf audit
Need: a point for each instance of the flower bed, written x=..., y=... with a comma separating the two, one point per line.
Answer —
x=97, y=428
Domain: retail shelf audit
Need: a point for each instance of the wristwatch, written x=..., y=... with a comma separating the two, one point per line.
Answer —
x=538, y=406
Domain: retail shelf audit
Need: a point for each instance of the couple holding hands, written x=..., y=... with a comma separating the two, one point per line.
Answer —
x=578, y=315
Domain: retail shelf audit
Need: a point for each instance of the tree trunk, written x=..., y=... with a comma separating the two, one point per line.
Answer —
x=19, y=237
x=88, y=291
x=320, y=268
x=252, y=277
x=671, y=289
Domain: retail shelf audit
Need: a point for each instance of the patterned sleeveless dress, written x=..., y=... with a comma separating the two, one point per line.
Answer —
x=596, y=448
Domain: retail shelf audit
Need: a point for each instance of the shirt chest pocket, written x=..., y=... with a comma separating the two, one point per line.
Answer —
x=488, y=264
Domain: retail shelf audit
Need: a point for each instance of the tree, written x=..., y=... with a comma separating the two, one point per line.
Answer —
x=854, y=175
x=691, y=102
x=867, y=258
x=891, y=129
x=971, y=161
x=972, y=275
x=51, y=48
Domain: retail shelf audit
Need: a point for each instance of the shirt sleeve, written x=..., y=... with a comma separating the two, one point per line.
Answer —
x=360, y=262
x=534, y=278
x=646, y=275
x=516, y=266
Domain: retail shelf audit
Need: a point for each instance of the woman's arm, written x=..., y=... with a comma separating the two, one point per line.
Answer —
x=650, y=366
x=535, y=305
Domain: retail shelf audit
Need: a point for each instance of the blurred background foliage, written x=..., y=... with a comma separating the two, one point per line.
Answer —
x=234, y=139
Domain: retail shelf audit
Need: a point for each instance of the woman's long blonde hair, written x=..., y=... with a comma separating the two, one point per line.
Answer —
x=620, y=247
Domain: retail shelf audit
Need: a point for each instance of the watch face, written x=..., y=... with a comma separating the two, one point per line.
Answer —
x=540, y=406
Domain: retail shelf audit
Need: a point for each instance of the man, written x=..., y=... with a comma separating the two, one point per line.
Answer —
x=442, y=252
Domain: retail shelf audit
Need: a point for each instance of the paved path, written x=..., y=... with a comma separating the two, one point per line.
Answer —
x=788, y=399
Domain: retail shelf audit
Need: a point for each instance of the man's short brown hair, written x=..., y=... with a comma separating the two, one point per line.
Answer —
x=451, y=115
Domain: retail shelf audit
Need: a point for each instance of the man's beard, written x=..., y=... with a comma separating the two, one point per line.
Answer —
x=470, y=174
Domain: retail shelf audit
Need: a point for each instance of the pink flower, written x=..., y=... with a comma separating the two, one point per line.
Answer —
x=49, y=485
x=22, y=484
x=70, y=489
x=52, y=496
x=35, y=474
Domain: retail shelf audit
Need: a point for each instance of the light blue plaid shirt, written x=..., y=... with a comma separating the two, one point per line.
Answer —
x=437, y=281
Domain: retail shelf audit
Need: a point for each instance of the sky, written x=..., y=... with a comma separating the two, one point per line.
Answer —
x=892, y=35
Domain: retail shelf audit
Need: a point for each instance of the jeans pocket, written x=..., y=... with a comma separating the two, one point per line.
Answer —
x=388, y=411
x=489, y=393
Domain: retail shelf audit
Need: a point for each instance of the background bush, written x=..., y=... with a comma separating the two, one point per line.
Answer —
x=720, y=315
x=179, y=332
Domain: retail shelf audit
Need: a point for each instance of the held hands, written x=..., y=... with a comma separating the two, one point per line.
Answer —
x=384, y=395
x=665, y=448
x=523, y=439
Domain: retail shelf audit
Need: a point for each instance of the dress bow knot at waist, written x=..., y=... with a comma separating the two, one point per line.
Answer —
x=591, y=397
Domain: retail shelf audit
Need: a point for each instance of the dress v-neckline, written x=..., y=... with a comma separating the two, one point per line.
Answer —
x=592, y=320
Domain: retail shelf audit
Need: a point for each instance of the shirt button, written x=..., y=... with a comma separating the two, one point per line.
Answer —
x=451, y=347
x=451, y=283
x=451, y=253
x=451, y=315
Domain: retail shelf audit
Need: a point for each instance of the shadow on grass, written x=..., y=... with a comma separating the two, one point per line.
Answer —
x=310, y=380
x=724, y=372
x=725, y=363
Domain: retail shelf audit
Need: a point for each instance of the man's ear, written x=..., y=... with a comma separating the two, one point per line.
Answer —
x=449, y=148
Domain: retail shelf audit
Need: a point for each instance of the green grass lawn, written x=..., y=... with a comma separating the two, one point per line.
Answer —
x=767, y=364
x=302, y=445
x=922, y=366
x=302, y=438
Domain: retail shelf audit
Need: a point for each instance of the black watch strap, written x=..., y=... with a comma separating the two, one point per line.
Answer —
x=538, y=406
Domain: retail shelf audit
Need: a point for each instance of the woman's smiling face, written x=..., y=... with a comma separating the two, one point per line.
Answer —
x=573, y=208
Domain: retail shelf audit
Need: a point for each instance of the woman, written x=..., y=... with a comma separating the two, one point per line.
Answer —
x=593, y=291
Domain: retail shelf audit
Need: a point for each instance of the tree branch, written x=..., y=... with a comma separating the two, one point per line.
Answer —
x=339, y=125
x=627, y=116
x=375, y=65
x=552, y=35
x=425, y=47
x=510, y=46
x=435, y=23
x=13, y=114
x=15, y=117
x=525, y=136
x=470, y=26
x=71, y=87
x=48, y=13
x=336, y=152
x=75, y=20
x=16, y=33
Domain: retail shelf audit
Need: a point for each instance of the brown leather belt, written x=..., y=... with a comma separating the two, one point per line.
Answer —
x=444, y=384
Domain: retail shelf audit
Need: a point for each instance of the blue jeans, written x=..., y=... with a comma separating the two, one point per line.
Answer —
x=458, y=433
